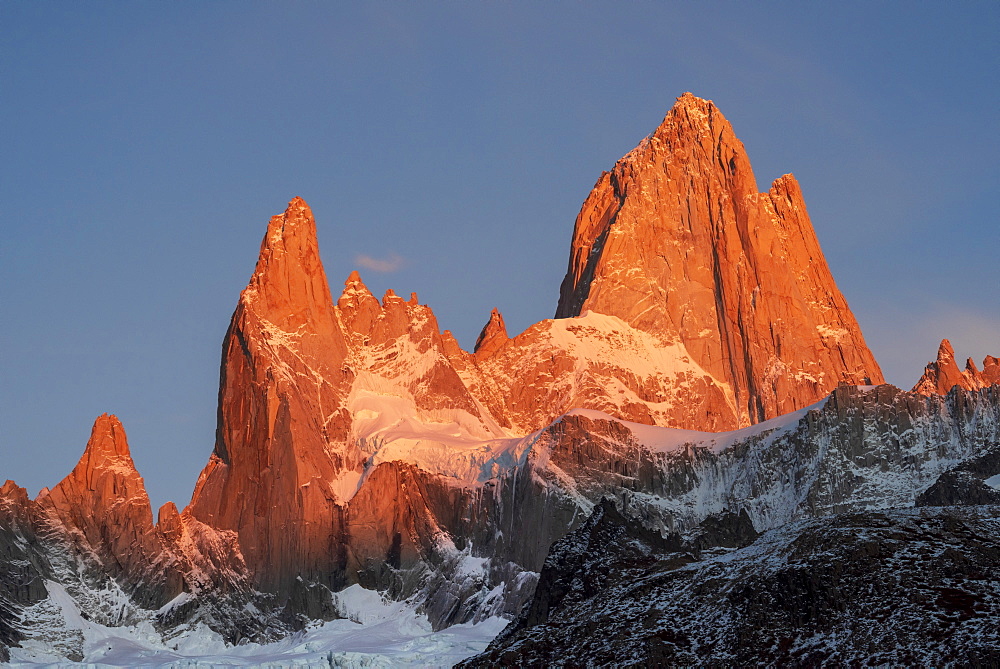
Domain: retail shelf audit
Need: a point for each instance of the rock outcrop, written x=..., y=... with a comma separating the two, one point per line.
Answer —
x=881, y=588
x=492, y=337
x=966, y=484
x=103, y=508
x=943, y=374
x=677, y=242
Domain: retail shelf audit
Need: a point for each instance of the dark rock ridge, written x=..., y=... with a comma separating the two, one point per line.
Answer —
x=591, y=558
x=23, y=567
x=892, y=588
x=966, y=484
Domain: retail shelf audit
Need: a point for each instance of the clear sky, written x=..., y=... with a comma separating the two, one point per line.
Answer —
x=144, y=146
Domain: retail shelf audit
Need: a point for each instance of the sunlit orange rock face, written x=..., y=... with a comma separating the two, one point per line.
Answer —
x=677, y=242
x=492, y=337
x=691, y=301
x=281, y=440
x=103, y=503
x=943, y=374
x=396, y=348
x=296, y=368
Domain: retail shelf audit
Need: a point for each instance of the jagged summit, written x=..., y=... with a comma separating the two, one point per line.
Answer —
x=692, y=110
x=677, y=242
x=289, y=287
x=293, y=231
x=107, y=440
x=357, y=298
x=943, y=373
x=493, y=334
x=107, y=451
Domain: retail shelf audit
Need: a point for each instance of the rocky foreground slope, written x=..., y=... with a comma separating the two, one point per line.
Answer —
x=917, y=587
x=702, y=362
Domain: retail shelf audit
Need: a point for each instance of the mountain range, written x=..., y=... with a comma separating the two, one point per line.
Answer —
x=701, y=407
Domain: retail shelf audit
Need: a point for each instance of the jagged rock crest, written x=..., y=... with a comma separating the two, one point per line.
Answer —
x=677, y=242
x=943, y=374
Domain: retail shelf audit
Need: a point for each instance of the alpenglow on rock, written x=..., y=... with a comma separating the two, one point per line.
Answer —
x=943, y=374
x=358, y=444
x=733, y=318
x=677, y=242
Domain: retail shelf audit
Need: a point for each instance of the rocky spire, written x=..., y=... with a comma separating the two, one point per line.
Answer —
x=493, y=334
x=281, y=440
x=991, y=371
x=943, y=374
x=103, y=503
x=676, y=241
x=288, y=286
x=358, y=307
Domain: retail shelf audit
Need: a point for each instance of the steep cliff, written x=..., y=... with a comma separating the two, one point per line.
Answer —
x=281, y=443
x=677, y=242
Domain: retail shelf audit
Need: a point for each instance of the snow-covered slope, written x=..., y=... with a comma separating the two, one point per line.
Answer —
x=372, y=632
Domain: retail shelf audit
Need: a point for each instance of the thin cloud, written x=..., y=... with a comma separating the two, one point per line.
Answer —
x=391, y=263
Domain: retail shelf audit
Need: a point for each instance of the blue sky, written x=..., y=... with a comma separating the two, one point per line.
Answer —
x=445, y=149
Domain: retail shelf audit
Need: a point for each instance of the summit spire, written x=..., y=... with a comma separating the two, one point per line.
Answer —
x=677, y=242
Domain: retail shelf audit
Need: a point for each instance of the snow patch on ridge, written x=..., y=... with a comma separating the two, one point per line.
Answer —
x=601, y=338
x=601, y=361
x=386, y=427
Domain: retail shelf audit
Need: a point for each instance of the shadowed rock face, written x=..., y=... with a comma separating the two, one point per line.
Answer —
x=965, y=485
x=893, y=588
x=23, y=567
x=676, y=241
x=943, y=374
